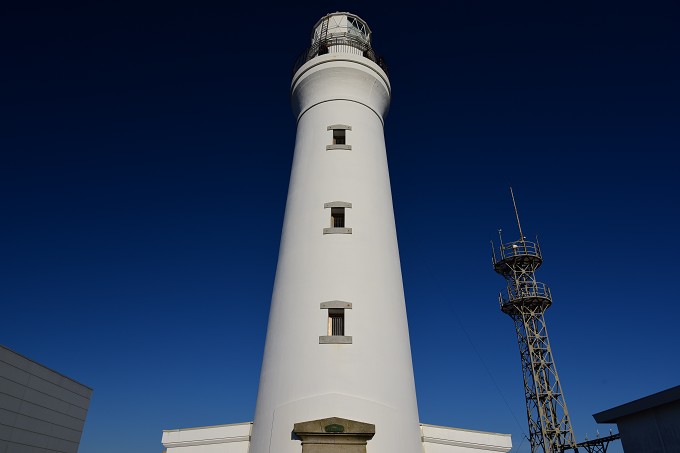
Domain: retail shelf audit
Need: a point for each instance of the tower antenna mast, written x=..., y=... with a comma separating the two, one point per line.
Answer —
x=519, y=225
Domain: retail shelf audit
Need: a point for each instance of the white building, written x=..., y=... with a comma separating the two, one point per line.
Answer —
x=337, y=341
x=41, y=411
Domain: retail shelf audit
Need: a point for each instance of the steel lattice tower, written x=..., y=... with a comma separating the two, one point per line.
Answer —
x=525, y=301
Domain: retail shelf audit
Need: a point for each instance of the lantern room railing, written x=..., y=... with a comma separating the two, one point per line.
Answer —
x=340, y=44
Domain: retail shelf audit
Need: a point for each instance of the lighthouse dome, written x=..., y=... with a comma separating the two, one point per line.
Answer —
x=341, y=25
x=340, y=33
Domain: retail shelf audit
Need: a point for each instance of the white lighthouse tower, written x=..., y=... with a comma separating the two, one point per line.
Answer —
x=337, y=375
x=337, y=341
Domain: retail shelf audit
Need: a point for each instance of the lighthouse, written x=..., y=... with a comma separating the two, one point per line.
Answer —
x=337, y=375
x=337, y=339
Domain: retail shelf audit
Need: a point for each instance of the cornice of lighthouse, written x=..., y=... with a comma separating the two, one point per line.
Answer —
x=340, y=77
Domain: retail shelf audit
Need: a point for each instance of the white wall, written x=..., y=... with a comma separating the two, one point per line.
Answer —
x=441, y=439
x=236, y=439
x=208, y=439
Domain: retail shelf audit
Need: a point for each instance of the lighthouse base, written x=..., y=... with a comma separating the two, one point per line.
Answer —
x=236, y=438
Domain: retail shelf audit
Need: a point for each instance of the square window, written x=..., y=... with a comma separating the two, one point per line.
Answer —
x=339, y=137
x=337, y=217
x=335, y=329
x=336, y=322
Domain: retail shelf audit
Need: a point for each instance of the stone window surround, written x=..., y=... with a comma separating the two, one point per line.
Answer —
x=335, y=339
x=338, y=127
x=334, y=230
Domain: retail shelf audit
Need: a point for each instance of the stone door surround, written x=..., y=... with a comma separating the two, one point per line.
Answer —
x=334, y=435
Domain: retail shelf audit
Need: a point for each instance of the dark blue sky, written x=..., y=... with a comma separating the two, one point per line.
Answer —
x=145, y=156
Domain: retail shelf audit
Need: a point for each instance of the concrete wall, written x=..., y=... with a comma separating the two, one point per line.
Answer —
x=41, y=411
x=650, y=424
x=655, y=430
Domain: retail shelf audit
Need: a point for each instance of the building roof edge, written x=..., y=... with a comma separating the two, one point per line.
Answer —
x=648, y=402
x=46, y=367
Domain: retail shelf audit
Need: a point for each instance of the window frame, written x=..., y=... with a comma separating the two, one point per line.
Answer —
x=340, y=130
x=336, y=309
x=333, y=229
